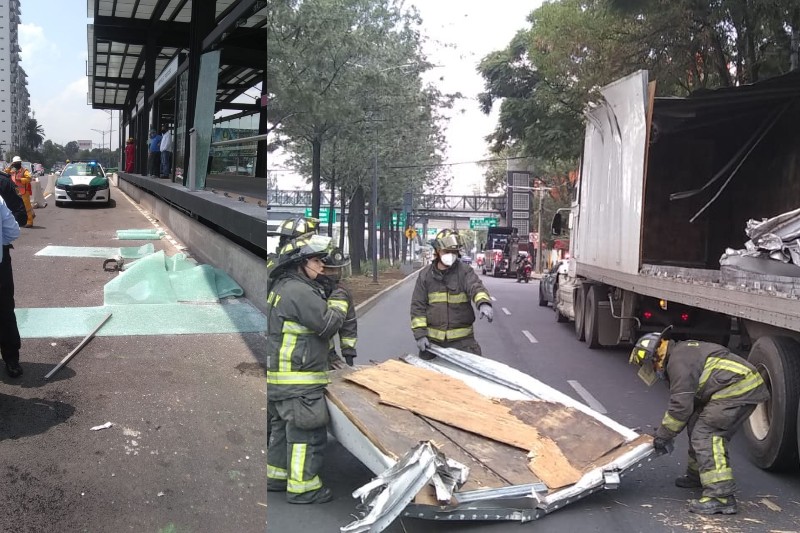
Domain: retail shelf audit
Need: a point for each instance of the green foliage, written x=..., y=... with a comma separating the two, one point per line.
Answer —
x=383, y=266
x=548, y=73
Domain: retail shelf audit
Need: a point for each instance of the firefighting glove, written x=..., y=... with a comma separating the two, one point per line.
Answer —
x=348, y=358
x=487, y=311
x=662, y=446
x=328, y=285
x=423, y=344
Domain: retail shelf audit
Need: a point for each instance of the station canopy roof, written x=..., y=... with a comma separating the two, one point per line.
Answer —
x=121, y=29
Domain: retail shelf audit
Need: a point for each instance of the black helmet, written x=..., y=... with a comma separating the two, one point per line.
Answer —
x=650, y=352
x=300, y=249
x=294, y=228
x=335, y=263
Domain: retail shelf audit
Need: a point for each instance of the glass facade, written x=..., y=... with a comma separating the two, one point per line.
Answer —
x=180, y=126
x=234, y=158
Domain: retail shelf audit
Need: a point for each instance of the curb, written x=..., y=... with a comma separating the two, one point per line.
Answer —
x=370, y=302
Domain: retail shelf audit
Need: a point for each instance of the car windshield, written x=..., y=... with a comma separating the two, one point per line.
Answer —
x=84, y=169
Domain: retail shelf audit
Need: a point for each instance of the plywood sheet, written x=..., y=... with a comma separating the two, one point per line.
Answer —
x=452, y=402
x=395, y=431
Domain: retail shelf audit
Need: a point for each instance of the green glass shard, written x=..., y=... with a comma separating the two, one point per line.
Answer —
x=131, y=252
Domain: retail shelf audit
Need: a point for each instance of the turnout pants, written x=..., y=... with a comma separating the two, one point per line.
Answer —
x=26, y=199
x=294, y=455
x=467, y=344
x=710, y=430
x=9, y=333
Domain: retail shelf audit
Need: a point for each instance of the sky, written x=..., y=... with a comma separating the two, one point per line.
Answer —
x=472, y=29
x=52, y=36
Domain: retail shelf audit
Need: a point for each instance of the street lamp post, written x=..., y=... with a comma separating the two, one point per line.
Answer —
x=103, y=138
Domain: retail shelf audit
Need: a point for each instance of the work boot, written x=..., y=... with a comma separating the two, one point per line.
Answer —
x=707, y=505
x=323, y=495
x=14, y=370
x=276, y=487
x=688, y=482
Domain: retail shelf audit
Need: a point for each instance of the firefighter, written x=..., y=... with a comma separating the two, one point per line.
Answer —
x=712, y=393
x=301, y=321
x=335, y=263
x=22, y=179
x=441, y=305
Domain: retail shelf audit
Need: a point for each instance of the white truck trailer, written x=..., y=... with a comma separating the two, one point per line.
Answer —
x=666, y=186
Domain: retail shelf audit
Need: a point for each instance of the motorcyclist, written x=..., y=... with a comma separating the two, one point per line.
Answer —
x=521, y=262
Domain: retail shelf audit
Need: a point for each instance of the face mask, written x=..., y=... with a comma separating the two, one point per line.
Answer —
x=448, y=259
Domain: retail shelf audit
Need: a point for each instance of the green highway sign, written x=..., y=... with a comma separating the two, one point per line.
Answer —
x=324, y=215
x=432, y=232
x=480, y=223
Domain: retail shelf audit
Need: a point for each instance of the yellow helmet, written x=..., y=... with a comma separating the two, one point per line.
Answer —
x=294, y=228
x=304, y=247
x=651, y=349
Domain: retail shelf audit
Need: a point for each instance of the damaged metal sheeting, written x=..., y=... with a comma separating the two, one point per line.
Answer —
x=387, y=495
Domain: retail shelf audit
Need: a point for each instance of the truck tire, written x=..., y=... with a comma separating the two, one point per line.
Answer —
x=559, y=317
x=592, y=318
x=580, y=317
x=542, y=299
x=771, y=431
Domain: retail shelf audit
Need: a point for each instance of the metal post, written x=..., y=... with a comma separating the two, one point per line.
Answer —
x=539, y=243
x=374, y=208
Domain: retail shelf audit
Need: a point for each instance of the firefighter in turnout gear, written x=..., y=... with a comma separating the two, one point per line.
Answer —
x=712, y=393
x=335, y=263
x=22, y=179
x=441, y=305
x=300, y=323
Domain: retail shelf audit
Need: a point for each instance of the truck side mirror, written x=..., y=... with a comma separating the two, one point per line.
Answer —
x=556, y=226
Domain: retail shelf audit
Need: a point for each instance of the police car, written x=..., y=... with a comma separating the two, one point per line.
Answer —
x=82, y=182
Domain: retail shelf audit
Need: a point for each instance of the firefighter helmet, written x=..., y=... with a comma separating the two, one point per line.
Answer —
x=448, y=239
x=335, y=263
x=652, y=350
x=294, y=228
x=300, y=249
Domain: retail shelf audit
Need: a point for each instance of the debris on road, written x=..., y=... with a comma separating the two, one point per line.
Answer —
x=771, y=505
x=78, y=348
x=101, y=426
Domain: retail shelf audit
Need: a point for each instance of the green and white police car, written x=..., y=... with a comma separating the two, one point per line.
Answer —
x=82, y=182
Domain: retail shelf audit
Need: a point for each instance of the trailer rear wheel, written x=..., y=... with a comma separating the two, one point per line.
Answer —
x=771, y=431
x=592, y=318
x=580, y=319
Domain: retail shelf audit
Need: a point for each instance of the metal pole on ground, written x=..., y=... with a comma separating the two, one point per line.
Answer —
x=78, y=348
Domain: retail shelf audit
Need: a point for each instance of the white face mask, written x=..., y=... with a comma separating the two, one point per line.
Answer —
x=448, y=259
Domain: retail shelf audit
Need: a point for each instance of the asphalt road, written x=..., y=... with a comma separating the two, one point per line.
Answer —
x=186, y=452
x=647, y=500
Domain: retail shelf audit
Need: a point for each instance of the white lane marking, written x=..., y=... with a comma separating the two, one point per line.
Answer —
x=530, y=336
x=493, y=298
x=506, y=311
x=180, y=247
x=48, y=195
x=590, y=400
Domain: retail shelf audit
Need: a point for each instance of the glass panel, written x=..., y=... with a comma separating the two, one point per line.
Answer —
x=180, y=125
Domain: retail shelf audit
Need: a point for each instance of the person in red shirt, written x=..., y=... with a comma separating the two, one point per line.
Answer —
x=130, y=153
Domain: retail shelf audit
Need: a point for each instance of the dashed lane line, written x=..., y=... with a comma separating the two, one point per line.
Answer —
x=590, y=400
x=530, y=336
x=506, y=311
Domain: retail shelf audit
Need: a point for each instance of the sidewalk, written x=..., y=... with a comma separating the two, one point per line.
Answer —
x=186, y=448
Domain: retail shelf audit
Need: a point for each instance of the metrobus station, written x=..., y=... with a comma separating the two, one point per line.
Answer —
x=198, y=69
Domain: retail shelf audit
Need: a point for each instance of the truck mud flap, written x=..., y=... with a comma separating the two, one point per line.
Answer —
x=387, y=440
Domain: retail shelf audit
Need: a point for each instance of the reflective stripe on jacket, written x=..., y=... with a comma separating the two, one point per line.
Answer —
x=700, y=373
x=22, y=179
x=441, y=305
x=300, y=322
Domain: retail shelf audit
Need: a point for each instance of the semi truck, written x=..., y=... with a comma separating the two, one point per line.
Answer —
x=669, y=191
x=502, y=246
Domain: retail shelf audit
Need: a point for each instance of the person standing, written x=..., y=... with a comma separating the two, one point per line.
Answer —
x=441, y=305
x=712, y=393
x=154, y=154
x=130, y=154
x=10, y=343
x=300, y=324
x=166, y=152
x=22, y=179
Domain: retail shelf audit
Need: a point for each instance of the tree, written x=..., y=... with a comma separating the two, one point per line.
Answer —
x=71, y=150
x=33, y=134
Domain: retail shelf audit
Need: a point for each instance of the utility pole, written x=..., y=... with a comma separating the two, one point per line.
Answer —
x=539, y=230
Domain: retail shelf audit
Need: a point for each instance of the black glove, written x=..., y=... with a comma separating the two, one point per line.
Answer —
x=348, y=359
x=328, y=285
x=662, y=446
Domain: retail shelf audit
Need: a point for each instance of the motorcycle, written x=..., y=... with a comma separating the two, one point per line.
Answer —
x=524, y=272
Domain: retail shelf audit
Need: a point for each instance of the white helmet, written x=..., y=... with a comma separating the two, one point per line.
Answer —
x=17, y=159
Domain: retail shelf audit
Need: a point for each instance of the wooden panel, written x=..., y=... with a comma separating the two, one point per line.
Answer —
x=395, y=431
x=451, y=401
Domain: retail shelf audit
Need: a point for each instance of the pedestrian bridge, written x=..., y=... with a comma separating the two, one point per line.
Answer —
x=427, y=205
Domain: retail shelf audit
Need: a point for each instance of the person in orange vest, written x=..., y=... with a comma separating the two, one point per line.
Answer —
x=22, y=179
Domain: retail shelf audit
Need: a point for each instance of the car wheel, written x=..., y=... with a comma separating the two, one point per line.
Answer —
x=542, y=299
x=771, y=431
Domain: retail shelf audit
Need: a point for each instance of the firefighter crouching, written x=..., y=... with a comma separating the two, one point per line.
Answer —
x=712, y=393
x=300, y=324
x=441, y=305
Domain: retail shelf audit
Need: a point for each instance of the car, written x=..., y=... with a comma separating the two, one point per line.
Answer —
x=548, y=287
x=466, y=259
x=82, y=182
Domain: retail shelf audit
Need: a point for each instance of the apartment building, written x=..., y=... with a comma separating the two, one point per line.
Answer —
x=14, y=96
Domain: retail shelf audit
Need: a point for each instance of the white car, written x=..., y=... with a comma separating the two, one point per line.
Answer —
x=82, y=182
